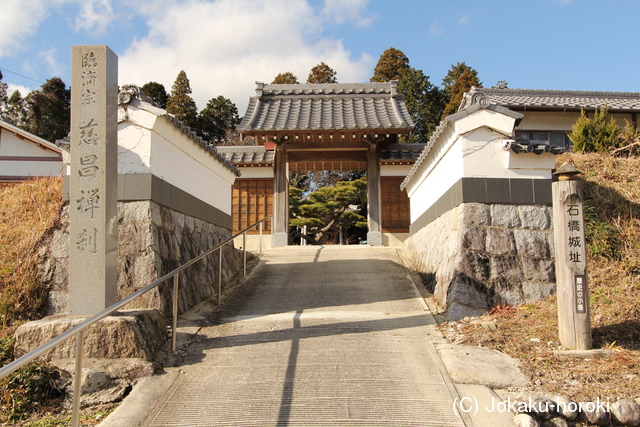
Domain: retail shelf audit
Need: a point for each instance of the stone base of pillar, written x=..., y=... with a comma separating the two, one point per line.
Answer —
x=374, y=238
x=280, y=239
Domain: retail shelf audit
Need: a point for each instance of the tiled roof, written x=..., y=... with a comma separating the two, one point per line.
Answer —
x=532, y=146
x=553, y=99
x=339, y=106
x=246, y=155
x=400, y=153
x=131, y=94
x=239, y=155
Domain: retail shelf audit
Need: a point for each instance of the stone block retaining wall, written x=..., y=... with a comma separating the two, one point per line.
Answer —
x=478, y=255
x=152, y=241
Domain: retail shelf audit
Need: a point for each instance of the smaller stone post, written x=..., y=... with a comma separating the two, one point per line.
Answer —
x=574, y=324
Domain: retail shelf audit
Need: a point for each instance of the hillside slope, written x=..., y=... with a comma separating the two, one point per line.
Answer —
x=612, y=215
x=28, y=211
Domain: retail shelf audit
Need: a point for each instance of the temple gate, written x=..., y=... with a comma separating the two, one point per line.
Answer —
x=315, y=127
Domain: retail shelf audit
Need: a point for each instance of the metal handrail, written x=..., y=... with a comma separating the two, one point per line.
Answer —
x=78, y=329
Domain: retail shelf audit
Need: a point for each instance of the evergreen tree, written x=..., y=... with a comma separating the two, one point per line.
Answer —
x=462, y=84
x=327, y=209
x=501, y=84
x=15, y=111
x=285, y=78
x=48, y=110
x=218, y=118
x=600, y=134
x=451, y=77
x=180, y=102
x=425, y=103
x=157, y=92
x=3, y=96
x=322, y=73
x=392, y=63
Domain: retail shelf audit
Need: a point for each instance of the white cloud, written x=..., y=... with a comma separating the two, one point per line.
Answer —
x=464, y=20
x=435, y=29
x=94, y=15
x=50, y=57
x=18, y=20
x=226, y=46
x=24, y=91
x=341, y=11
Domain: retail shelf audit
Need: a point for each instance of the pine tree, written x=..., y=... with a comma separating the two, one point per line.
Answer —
x=180, y=102
x=157, y=92
x=285, y=78
x=327, y=209
x=392, y=63
x=462, y=84
x=322, y=73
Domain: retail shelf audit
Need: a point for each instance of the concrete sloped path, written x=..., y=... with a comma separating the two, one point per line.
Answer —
x=317, y=336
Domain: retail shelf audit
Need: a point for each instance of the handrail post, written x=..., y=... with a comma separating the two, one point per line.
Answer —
x=77, y=330
x=77, y=380
x=260, y=238
x=244, y=254
x=220, y=275
x=174, y=323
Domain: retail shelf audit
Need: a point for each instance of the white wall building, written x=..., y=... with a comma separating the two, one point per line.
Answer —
x=24, y=155
x=550, y=114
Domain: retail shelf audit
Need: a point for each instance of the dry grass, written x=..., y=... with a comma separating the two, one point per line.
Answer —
x=28, y=211
x=529, y=333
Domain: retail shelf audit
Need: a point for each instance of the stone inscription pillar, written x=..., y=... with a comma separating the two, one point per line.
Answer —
x=574, y=325
x=374, y=235
x=93, y=181
x=280, y=198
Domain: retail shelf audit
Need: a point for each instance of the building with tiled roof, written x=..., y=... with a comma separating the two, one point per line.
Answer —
x=281, y=109
x=316, y=127
x=550, y=114
x=24, y=155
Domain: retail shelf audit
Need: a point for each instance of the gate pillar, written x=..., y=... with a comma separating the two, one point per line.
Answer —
x=374, y=235
x=280, y=197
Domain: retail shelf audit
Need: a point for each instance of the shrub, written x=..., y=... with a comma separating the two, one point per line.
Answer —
x=600, y=134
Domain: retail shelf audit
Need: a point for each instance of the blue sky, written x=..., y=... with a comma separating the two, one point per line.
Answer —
x=225, y=46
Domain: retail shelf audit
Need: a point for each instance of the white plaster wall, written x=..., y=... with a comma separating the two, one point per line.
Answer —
x=556, y=120
x=485, y=157
x=446, y=172
x=395, y=170
x=134, y=149
x=256, y=172
x=188, y=166
x=560, y=120
x=31, y=168
x=11, y=145
x=148, y=143
x=542, y=164
x=472, y=146
x=484, y=118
